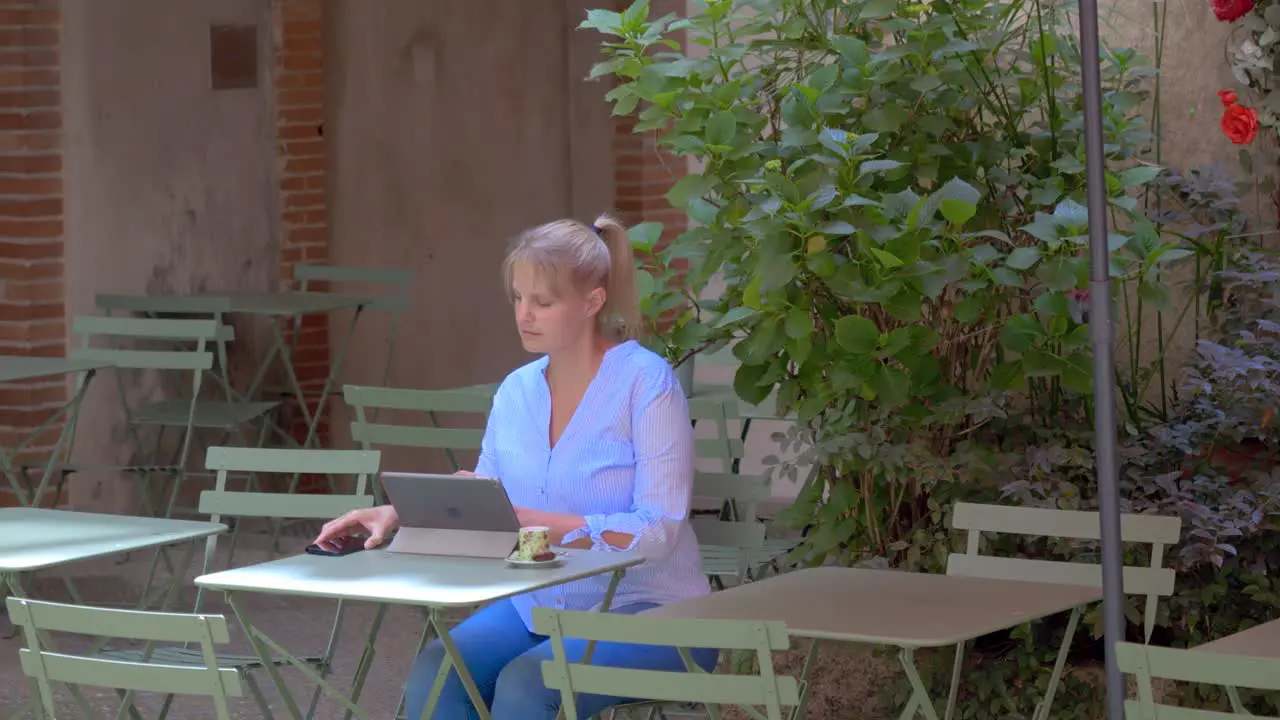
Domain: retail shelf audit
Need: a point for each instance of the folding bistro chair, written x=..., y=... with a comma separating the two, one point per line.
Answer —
x=394, y=302
x=185, y=413
x=692, y=685
x=1152, y=580
x=46, y=666
x=222, y=503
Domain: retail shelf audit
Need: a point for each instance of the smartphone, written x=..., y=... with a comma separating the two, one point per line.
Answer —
x=348, y=545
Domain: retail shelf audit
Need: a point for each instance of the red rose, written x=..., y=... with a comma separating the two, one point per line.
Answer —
x=1240, y=124
x=1231, y=10
x=1228, y=97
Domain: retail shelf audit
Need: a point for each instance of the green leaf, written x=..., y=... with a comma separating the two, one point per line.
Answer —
x=1058, y=273
x=857, y=334
x=645, y=235
x=878, y=9
x=1007, y=376
x=889, y=260
x=1020, y=333
x=958, y=212
x=892, y=386
x=969, y=309
x=687, y=187
x=798, y=323
x=748, y=383
x=873, y=166
x=925, y=83
x=734, y=315
x=837, y=227
x=824, y=77
x=885, y=118
x=720, y=128
x=1157, y=294
x=853, y=50
x=1023, y=258
x=904, y=306
x=1141, y=175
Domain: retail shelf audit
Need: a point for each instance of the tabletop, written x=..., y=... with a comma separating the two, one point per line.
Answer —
x=885, y=607
x=34, y=538
x=1258, y=641
x=14, y=368
x=408, y=579
x=290, y=303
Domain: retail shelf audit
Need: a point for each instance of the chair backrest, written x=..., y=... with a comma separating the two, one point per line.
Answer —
x=1153, y=581
x=367, y=402
x=398, y=280
x=213, y=305
x=724, y=446
x=1147, y=663
x=220, y=501
x=691, y=684
x=201, y=332
x=47, y=667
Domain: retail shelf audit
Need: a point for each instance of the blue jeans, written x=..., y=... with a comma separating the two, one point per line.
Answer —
x=505, y=660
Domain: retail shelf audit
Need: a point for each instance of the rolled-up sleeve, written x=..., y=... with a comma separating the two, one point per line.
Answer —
x=662, y=438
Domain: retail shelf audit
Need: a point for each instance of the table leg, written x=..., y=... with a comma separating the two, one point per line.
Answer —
x=452, y=659
x=1042, y=710
x=70, y=409
x=263, y=646
x=919, y=701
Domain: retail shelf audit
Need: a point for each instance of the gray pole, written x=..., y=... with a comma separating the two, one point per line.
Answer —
x=1104, y=393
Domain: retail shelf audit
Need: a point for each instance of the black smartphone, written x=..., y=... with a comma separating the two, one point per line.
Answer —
x=348, y=545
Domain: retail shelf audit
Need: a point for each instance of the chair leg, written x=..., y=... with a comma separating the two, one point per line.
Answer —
x=955, y=681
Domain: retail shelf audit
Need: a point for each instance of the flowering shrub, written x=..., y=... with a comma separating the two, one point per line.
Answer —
x=1252, y=51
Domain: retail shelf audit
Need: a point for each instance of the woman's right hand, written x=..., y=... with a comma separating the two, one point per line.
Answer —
x=377, y=522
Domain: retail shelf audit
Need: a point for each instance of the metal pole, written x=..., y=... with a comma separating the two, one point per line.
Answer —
x=1104, y=396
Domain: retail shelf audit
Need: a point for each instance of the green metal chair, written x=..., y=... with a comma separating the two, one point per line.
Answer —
x=46, y=666
x=1153, y=581
x=186, y=413
x=368, y=402
x=395, y=302
x=1147, y=663
x=735, y=543
x=222, y=504
x=179, y=307
x=765, y=689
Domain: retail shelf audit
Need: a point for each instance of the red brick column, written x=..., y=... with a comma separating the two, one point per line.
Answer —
x=32, y=315
x=302, y=160
x=642, y=172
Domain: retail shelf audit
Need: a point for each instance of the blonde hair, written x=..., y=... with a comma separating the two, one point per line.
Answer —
x=567, y=253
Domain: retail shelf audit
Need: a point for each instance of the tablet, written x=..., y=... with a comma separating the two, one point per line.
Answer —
x=451, y=515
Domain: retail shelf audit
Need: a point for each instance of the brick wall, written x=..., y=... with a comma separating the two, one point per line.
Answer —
x=31, y=291
x=298, y=27
x=642, y=172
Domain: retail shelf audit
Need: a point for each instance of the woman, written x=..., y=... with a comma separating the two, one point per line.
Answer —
x=592, y=440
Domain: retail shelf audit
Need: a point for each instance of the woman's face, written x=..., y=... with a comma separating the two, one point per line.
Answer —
x=549, y=322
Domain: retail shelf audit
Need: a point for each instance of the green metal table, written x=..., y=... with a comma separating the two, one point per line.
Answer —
x=279, y=305
x=34, y=539
x=1258, y=641
x=885, y=607
x=432, y=582
x=16, y=369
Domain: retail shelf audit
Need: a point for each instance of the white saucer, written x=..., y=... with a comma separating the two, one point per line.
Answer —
x=513, y=560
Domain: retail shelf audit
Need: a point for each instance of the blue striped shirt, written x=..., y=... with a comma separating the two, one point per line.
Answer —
x=624, y=462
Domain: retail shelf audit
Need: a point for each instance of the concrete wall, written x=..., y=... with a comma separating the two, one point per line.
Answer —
x=170, y=186
x=454, y=125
